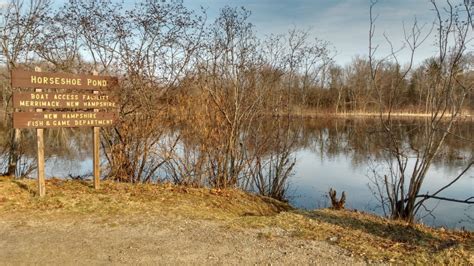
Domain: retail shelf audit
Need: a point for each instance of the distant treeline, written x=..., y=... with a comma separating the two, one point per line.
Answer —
x=178, y=52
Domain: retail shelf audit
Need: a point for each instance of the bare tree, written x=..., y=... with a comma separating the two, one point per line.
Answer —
x=154, y=44
x=20, y=23
x=408, y=163
x=230, y=72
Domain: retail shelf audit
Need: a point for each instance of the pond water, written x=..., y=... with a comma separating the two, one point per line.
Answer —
x=316, y=173
x=342, y=154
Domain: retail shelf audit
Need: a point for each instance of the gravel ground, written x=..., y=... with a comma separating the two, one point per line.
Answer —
x=155, y=240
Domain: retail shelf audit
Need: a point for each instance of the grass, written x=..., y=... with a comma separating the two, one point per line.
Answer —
x=370, y=237
x=79, y=197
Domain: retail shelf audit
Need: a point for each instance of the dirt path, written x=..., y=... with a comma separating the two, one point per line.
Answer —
x=155, y=240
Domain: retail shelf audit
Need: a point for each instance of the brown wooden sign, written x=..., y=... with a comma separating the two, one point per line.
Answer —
x=32, y=79
x=22, y=100
x=63, y=119
x=40, y=101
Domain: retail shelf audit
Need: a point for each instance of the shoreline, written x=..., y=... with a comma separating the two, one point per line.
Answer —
x=362, y=115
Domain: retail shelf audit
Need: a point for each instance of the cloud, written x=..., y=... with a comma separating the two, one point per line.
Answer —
x=345, y=23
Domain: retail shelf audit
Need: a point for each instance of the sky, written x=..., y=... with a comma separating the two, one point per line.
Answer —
x=344, y=23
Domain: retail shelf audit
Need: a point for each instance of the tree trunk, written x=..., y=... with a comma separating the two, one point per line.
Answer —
x=14, y=153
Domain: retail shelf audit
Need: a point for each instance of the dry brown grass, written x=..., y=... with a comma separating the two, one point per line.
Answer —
x=380, y=239
x=79, y=197
x=373, y=238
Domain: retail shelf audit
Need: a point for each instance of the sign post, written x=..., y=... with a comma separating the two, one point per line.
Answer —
x=40, y=149
x=79, y=103
x=96, y=152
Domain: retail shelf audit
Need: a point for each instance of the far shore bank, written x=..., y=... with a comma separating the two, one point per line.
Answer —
x=466, y=115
